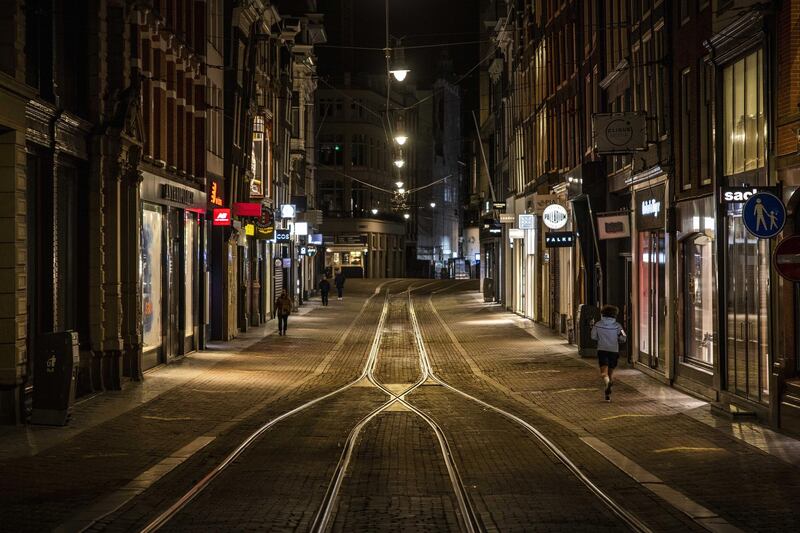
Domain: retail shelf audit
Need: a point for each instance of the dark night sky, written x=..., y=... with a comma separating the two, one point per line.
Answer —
x=421, y=22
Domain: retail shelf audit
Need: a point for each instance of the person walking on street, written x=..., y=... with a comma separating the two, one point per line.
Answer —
x=339, y=280
x=324, y=289
x=283, y=308
x=609, y=334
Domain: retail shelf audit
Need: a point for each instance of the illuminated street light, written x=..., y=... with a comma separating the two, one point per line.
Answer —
x=433, y=204
x=399, y=163
x=399, y=184
x=401, y=190
x=400, y=73
x=374, y=210
x=406, y=216
x=400, y=139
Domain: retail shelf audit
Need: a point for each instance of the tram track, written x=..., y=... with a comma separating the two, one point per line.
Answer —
x=468, y=518
x=203, y=483
x=628, y=518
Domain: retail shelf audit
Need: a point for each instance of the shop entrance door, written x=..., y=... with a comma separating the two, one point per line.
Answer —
x=747, y=295
x=652, y=301
x=174, y=335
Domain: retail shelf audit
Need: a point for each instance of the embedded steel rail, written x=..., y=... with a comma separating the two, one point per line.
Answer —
x=468, y=517
x=628, y=518
x=206, y=480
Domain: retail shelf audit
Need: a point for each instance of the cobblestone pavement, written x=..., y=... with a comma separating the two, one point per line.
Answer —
x=540, y=378
x=118, y=467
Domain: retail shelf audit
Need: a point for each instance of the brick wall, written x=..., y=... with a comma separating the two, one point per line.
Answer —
x=788, y=85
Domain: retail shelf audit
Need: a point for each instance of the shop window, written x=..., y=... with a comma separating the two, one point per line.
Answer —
x=151, y=270
x=744, y=125
x=686, y=127
x=700, y=296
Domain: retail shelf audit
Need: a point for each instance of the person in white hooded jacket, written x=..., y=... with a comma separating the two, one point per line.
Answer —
x=609, y=334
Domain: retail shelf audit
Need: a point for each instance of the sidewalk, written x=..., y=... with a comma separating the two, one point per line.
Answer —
x=722, y=473
x=120, y=443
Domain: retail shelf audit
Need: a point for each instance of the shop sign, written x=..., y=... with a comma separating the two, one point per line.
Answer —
x=541, y=201
x=301, y=228
x=312, y=251
x=265, y=217
x=315, y=238
x=303, y=250
x=764, y=215
x=222, y=216
x=492, y=226
x=215, y=192
x=247, y=209
x=250, y=230
x=477, y=257
x=265, y=233
x=559, y=239
x=619, y=133
x=287, y=262
x=613, y=226
x=278, y=262
x=650, y=208
x=499, y=205
x=787, y=258
x=282, y=235
x=555, y=216
x=525, y=221
x=742, y=194
x=516, y=233
x=177, y=195
x=288, y=211
x=507, y=218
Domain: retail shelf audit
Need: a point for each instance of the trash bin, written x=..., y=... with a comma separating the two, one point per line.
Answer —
x=55, y=369
x=587, y=316
x=488, y=290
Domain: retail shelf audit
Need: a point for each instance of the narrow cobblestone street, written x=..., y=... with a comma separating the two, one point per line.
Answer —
x=409, y=406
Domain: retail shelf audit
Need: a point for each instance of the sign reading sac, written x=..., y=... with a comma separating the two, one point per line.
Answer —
x=742, y=194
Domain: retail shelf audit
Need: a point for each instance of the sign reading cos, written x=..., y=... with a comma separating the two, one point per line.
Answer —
x=555, y=216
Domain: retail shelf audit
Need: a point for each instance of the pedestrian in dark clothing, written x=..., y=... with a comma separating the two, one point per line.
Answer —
x=283, y=308
x=339, y=280
x=324, y=289
x=609, y=334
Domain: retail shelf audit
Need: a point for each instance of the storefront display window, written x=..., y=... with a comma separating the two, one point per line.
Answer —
x=747, y=276
x=151, y=271
x=743, y=120
x=190, y=230
x=699, y=291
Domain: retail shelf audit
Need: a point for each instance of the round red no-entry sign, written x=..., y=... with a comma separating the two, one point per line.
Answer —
x=787, y=258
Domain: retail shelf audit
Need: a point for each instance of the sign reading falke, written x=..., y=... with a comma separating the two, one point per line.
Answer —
x=650, y=208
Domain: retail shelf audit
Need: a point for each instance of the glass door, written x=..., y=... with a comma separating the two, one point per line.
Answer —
x=652, y=299
x=747, y=274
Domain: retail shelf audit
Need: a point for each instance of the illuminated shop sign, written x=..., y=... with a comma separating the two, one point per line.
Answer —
x=650, y=208
x=282, y=235
x=315, y=238
x=559, y=239
x=215, y=192
x=288, y=211
x=555, y=216
x=222, y=217
x=525, y=221
x=247, y=209
x=742, y=194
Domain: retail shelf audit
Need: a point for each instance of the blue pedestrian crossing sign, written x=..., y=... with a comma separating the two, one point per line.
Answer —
x=764, y=215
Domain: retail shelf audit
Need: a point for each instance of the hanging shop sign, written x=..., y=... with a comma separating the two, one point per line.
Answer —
x=303, y=250
x=265, y=217
x=541, y=201
x=311, y=250
x=222, y=216
x=525, y=221
x=516, y=233
x=492, y=226
x=315, y=238
x=499, y=205
x=265, y=233
x=301, y=228
x=283, y=235
x=215, y=198
x=247, y=209
x=250, y=230
x=559, y=239
x=287, y=262
x=288, y=211
x=650, y=208
x=742, y=194
x=278, y=262
x=555, y=216
x=764, y=215
x=507, y=218
x=787, y=258
x=613, y=226
x=619, y=133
